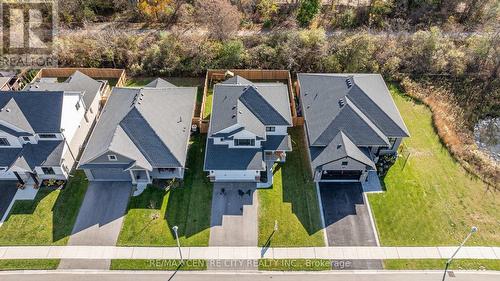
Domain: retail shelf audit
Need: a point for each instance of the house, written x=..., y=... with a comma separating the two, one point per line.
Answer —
x=248, y=130
x=142, y=134
x=351, y=120
x=41, y=134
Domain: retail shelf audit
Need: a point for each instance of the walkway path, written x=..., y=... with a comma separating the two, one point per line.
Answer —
x=112, y=252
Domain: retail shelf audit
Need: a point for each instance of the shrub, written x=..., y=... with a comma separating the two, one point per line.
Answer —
x=307, y=11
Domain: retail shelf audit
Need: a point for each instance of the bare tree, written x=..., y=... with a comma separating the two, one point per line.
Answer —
x=220, y=17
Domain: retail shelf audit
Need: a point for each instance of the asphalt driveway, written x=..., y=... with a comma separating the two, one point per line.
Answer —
x=347, y=219
x=7, y=191
x=99, y=220
x=234, y=215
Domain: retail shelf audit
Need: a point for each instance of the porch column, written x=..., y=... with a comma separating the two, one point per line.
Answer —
x=132, y=176
x=19, y=178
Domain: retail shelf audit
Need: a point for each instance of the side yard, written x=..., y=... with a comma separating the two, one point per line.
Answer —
x=151, y=215
x=292, y=201
x=432, y=200
x=48, y=219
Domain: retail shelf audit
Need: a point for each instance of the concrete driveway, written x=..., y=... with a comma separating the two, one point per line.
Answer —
x=99, y=220
x=8, y=190
x=347, y=219
x=234, y=215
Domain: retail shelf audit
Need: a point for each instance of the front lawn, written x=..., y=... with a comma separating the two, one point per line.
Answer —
x=432, y=200
x=292, y=201
x=29, y=264
x=156, y=264
x=48, y=219
x=427, y=264
x=151, y=215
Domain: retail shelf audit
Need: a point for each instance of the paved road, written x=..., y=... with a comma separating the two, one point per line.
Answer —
x=7, y=191
x=234, y=215
x=347, y=218
x=99, y=221
x=196, y=276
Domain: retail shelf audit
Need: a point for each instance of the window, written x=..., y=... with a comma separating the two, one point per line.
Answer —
x=48, y=171
x=47, y=136
x=4, y=142
x=345, y=163
x=112, y=158
x=77, y=106
x=221, y=139
x=166, y=170
x=270, y=129
x=244, y=142
x=65, y=168
x=26, y=139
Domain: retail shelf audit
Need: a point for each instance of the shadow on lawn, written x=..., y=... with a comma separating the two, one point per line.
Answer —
x=298, y=186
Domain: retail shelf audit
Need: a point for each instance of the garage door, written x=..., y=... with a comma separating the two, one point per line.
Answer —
x=341, y=175
x=111, y=174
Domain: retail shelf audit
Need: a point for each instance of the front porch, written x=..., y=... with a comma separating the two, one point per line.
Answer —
x=275, y=156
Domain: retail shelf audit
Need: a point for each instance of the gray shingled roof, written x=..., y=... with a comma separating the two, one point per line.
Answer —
x=346, y=112
x=45, y=153
x=278, y=142
x=221, y=157
x=340, y=147
x=148, y=125
x=252, y=106
x=33, y=112
x=159, y=83
x=237, y=80
x=78, y=82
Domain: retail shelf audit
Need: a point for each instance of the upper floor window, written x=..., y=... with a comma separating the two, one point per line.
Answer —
x=112, y=158
x=244, y=142
x=26, y=139
x=4, y=142
x=48, y=171
x=47, y=136
x=345, y=163
x=270, y=129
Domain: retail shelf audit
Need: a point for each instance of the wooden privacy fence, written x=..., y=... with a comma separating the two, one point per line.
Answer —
x=216, y=75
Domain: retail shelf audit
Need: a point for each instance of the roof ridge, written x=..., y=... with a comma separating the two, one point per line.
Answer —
x=154, y=131
x=264, y=100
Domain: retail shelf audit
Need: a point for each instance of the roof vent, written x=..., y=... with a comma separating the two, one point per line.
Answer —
x=7, y=109
x=341, y=102
x=234, y=107
x=348, y=82
x=234, y=115
x=180, y=119
x=240, y=112
x=339, y=146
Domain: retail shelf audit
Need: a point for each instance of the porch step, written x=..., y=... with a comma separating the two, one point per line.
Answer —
x=141, y=186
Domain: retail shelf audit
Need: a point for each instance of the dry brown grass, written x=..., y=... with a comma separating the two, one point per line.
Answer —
x=450, y=125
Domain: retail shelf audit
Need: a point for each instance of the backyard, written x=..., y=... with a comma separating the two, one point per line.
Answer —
x=151, y=215
x=48, y=219
x=292, y=201
x=431, y=199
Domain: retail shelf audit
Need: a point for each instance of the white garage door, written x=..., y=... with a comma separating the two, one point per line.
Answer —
x=110, y=174
x=248, y=175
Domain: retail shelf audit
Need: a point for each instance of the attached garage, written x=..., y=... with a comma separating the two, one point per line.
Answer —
x=108, y=174
x=341, y=175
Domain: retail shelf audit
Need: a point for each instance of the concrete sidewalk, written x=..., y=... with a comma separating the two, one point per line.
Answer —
x=209, y=253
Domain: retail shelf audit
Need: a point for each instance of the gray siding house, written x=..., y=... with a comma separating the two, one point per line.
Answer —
x=350, y=121
x=142, y=134
x=248, y=130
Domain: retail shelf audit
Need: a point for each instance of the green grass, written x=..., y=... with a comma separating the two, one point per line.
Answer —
x=48, y=219
x=153, y=264
x=187, y=207
x=295, y=264
x=21, y=264
x=432, y=200
x=458, y=264
x=208, y=104
x=292, y=201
